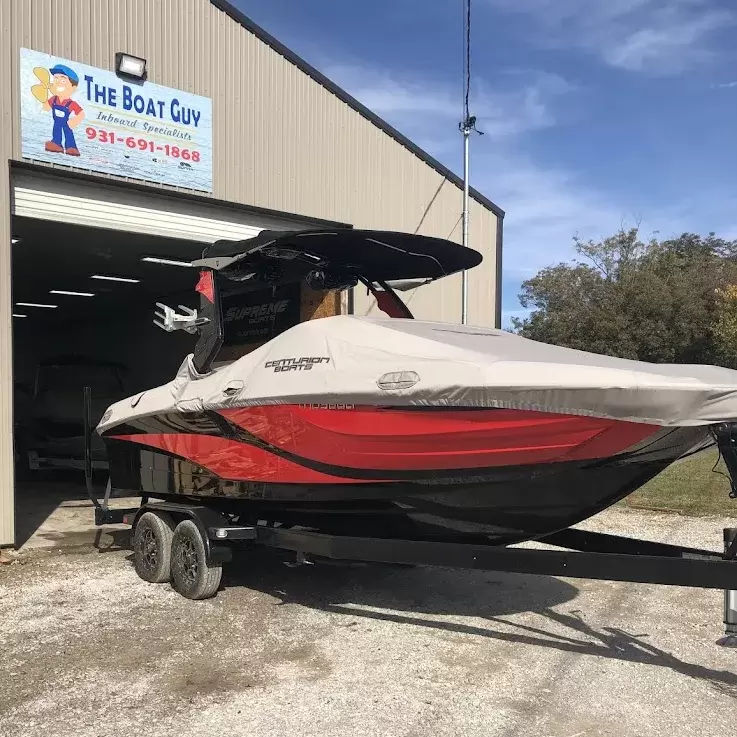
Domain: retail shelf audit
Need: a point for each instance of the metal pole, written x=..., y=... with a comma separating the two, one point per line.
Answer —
x=730, y=595
x=87, y=424
x=464, y=276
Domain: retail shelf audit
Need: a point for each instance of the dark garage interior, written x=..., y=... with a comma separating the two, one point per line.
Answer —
x=99, y=333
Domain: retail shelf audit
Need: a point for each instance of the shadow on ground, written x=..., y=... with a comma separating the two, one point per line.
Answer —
x=407, y=596
x=35, y=501
x=55, y=508
x=430, y=597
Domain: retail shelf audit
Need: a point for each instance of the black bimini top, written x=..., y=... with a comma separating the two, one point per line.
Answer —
x=376, y=255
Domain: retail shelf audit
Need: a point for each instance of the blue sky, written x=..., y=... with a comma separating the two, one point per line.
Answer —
x=596, y=114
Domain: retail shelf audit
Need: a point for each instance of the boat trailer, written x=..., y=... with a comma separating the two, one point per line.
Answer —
x=207, y=541
x=571, y=552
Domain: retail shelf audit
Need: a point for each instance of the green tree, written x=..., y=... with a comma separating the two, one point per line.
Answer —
x=725, y=330
x=657, y=301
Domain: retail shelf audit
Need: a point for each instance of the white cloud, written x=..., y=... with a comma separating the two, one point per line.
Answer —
x=524, y=101
x=653, y=36
x=545, y=208
x=724, y=85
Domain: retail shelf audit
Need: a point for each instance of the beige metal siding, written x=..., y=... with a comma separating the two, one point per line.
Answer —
x=281, y=141
x=7, y=521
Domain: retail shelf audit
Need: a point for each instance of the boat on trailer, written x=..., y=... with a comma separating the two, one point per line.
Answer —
x=392, y=428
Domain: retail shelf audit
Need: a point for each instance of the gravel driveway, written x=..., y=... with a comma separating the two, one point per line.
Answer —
x=88, y=649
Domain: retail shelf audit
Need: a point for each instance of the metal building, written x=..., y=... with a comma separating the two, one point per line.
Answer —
x=228, y=132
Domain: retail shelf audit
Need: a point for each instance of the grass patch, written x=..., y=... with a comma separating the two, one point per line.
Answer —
x=688, y=487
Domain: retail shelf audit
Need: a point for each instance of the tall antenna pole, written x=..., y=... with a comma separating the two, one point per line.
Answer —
x=466, y=126
x=464, y=276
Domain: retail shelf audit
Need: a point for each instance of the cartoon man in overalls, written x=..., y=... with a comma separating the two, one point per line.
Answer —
x=67, y=113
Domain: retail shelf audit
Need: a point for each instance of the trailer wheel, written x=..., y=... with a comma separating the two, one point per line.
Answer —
x=191, y=575
x=152, y=546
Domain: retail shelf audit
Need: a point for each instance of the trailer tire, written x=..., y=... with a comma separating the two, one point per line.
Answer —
x=191, y=575
x=152, y=546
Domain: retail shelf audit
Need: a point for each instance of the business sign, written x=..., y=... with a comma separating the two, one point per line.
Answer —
x=76, y=115
x=255, y=317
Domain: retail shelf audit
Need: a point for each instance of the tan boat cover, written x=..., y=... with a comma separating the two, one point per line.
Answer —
x=367, y=361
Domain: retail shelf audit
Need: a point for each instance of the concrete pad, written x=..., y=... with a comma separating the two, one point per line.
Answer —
x=60, y=514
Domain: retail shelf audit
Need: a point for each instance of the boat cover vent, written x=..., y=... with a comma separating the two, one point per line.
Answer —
x=398, y=380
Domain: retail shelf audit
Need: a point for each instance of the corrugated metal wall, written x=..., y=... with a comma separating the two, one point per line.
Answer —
x=7, y=517
x=281, y=141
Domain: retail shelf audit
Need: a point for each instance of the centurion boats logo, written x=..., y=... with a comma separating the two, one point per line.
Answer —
x=303, y=363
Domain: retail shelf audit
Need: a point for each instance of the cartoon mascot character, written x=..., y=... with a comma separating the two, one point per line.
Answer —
x=56, y=88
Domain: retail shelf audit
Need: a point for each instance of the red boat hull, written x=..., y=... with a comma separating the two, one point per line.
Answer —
x=289, y=441
x=505, y=474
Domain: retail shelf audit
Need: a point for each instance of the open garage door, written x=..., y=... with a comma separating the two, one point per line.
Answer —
x=89, y=262
x=78, y=202
x=83, y=302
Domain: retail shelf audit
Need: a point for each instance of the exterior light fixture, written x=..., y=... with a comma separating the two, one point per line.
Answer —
x=36, y=304
x=18, y=314
x=115, y=278
x=71, y=294
x=14, y=241
x=130, y=67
